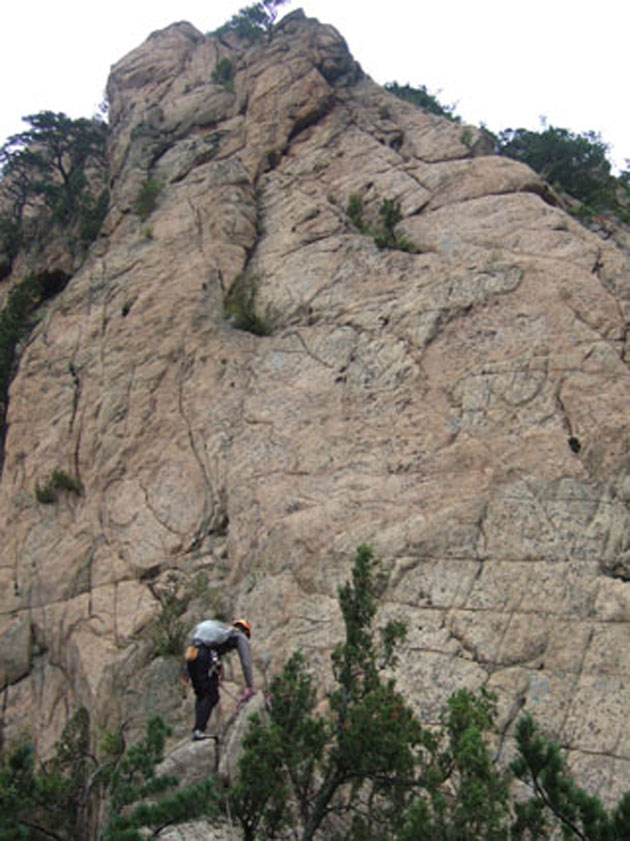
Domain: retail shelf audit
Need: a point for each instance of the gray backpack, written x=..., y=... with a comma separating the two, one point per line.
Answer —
x=211, y=632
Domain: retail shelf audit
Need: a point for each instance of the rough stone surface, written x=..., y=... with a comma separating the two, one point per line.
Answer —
x=199, y=831
x=463, y=408
x=15, y=651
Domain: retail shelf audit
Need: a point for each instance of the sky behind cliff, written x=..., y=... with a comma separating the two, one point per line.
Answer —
x=498, y=66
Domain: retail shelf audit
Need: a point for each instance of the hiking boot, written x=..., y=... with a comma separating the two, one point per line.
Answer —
x=197, y=735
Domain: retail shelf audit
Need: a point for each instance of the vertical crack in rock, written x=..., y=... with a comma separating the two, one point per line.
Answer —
x=598, y=265
x=212, y=513
x=308, y=350
x=576, y=682
x=573, y=441
x=3, y=712
x=158, y=518
x=517, y=703
x=76, y=392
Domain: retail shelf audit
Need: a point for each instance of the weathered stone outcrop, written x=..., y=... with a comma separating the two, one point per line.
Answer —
x=464, y=408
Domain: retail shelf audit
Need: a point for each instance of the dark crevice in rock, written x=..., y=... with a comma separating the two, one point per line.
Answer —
x=340, y=70
x=312, y=117
x=76, y=392
x=6, y=263
x=527, y=188
x=211, y=501
x=53, y=283
x=620, y=570
x=598, y=265
x=544, y=191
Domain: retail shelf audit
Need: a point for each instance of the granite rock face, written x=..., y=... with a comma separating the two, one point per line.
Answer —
x=462, y=406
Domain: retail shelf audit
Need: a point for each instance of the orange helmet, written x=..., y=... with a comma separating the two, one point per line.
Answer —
x=243, y=625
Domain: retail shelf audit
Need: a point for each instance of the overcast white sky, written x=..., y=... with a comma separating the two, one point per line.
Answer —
x=501, y=63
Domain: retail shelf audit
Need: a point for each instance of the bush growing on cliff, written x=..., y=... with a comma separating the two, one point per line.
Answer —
x=252, y=22
x=239, y=305
x=575, y=163
x=223, y=74
x=421, y=97
x=46, y=801
x=17, y=319
x=383, y=232
x=59, y=480
x=168, y=630
x=147, y=199
x=355, y=212
x=390, y=215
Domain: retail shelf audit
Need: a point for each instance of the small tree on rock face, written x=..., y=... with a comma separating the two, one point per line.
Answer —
x=462, y=794
x=576, y=163
x=60, y=162
x=252, y=22
x=421, y=97
x=557, y=802
x=50, y=160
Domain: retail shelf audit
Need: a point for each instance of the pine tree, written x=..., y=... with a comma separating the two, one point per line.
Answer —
x=75, y=796
x=368, y=762
x=252, y=22
x=60, y=165
x=557, y=802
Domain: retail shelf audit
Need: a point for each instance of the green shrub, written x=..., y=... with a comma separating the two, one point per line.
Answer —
x=10, y=236
x=45, y=494
x=16, y=321
x=252, y=22
x=59, y=481
x=63, y=481
x=390, y=214
x=109, y=792
x=576, y=163
x=168, y=630
x=239, y=305
x=383, y=233
x=355, y=212
x=147, y=199
x=92, y=211
x=223, y=74
x=421, y=97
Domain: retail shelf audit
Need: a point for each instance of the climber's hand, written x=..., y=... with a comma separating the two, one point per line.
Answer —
x=246, y=696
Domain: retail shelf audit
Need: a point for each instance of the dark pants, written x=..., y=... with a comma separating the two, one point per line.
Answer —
x=206, y=686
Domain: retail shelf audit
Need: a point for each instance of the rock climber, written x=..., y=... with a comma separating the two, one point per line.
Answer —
x=208, y=642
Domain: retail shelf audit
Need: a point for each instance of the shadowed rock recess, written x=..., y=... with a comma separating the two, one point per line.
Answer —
x=462, y=406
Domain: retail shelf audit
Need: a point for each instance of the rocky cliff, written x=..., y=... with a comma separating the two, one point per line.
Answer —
x=460, y=402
